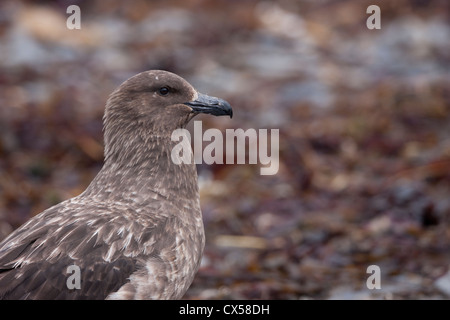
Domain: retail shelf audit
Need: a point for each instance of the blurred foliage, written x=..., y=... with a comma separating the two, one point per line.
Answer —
x=364, y=119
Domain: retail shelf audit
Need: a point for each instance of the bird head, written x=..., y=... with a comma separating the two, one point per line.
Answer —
x=155, y=103
x=160, y=101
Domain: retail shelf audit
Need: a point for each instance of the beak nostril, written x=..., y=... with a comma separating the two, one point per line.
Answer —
x=211, y=105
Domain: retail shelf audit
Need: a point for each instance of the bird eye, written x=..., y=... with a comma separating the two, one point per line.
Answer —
x=163, y=91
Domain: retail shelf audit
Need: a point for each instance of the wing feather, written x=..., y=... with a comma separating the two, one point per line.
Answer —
x=34, y=259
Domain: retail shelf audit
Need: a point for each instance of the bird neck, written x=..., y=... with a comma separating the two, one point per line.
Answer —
x=143, y=169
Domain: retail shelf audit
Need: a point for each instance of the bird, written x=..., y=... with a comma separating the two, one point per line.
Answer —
x=136, y=232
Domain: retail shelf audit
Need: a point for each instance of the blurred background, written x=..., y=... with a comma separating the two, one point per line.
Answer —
x=364, y=120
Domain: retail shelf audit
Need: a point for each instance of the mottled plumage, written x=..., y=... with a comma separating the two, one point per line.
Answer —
x=136, y=232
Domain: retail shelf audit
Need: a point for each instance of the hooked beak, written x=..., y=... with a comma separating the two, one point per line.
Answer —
x=211, y=105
